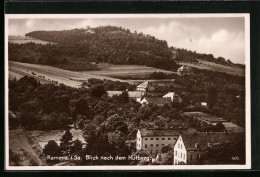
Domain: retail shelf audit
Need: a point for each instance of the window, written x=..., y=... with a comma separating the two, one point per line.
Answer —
x=151, y=151
x=191, y=157
x=176, y=153
x=151, y=138
x=145, y=138
x=180, y=139
x=157, y=138
x=162, y=144
x=163, y=138
x=157, y=144
x=178, y=145
x=138, y=139
x=174, y=138
x=198, y=156
x=169, y=138
x=151, y=144
x=156, y=151
x=181, y=155
x=181, y=146
x=184, y=156
x=145, y=146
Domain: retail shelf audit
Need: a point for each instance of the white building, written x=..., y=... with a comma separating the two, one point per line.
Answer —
x=174, y=97
x=152, y=140
x=145, y=87
x=184, y=70
x=193, y=149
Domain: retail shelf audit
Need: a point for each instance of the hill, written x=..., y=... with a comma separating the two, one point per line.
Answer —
x=81, y=49
x=108, y=44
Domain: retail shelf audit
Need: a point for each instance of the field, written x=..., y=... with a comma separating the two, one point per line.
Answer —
x=24, y=39
x=75, y=78
x=42, y=137
x=215, y=67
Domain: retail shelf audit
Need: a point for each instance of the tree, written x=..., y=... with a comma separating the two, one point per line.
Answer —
x=124, y=97
x=98, y=90
x=82, y=107
x=66, y=142
x=212, y=96
x=52, y=149
x=219, y=127
x=77, y=146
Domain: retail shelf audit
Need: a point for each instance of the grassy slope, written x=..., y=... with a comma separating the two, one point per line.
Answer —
x=18, y=142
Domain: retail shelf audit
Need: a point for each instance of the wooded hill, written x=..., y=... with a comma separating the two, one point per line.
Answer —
x=75, y=49
x=107, y=44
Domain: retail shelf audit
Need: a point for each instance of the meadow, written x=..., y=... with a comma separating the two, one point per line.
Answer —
x=215, y=67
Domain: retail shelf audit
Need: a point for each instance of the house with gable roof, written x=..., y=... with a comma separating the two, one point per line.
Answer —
x=193, y=148
x=174, y=97
x=145, y=87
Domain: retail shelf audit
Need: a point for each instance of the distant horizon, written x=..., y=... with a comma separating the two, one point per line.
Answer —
x=220, y=36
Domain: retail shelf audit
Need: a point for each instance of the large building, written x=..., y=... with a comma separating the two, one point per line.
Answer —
x=194, y=148
x=152, y=140
x=131, y=94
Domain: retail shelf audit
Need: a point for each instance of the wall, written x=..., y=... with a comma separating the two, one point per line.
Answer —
x=157, y=143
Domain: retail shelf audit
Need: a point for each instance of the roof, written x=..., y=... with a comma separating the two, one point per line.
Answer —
x=184, y=68
x=206, y=141
x=145, y=84
x=171, y=94
x=205, y=117
x=133, y=94
x=159, y=132
x=157, y=100
x=112, y=93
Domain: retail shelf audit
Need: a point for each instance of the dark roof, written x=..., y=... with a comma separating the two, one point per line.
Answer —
x=157, y=100
x=205, y=117
x=159, y=132
x=205, y=140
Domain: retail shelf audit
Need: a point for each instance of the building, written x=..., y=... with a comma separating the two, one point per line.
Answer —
x=204, y=104
x=152, y=140
x=174, y=97
x=195, y=148
x=203, y=117
x=158, y=101
x=135, y=95
x=131, y=94
x=213, y=120
x=184, y=70
x=145, y=87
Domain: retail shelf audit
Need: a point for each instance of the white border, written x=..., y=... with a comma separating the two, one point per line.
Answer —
x=152, y=167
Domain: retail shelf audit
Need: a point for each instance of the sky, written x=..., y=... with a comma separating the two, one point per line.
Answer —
x=220, y=36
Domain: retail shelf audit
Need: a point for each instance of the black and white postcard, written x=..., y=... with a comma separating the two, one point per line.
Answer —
x=127, y=91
